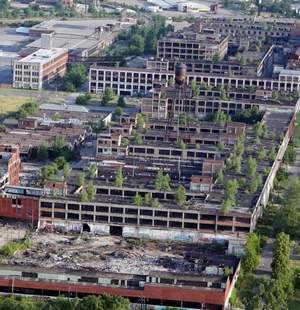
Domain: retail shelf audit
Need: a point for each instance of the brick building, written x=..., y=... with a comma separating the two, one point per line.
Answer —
x=39, y=67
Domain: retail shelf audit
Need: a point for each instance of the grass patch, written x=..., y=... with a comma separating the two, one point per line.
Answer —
x=12, y=103
x=12, y=247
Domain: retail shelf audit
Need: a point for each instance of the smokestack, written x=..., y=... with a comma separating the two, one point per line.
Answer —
x=180, y=74
x=46, y=41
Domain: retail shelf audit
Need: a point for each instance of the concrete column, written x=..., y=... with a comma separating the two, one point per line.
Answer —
x=52, y=212
x=79, y=212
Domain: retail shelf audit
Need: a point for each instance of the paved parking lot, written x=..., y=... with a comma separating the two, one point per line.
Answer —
x=10, y=44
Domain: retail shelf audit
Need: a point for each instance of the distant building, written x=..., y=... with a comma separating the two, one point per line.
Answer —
x=67, y=3
x=41, y=66
x=193, y=43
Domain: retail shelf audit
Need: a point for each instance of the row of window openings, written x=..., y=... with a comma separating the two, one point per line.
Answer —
x=87, y=217
x=193, y=216
x=234, y=82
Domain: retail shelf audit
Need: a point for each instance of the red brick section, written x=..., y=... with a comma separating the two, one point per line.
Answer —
x=55, y=66
x=13, y=164
x=23, y=208
x=210, y=296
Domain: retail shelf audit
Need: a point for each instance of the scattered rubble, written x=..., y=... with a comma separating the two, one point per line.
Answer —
x=107, y=254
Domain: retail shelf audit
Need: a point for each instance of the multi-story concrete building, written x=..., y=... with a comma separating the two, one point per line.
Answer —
x=193, y=44
x=256, y=64
x=134, y=81
x=242, y=28
x=41, y=66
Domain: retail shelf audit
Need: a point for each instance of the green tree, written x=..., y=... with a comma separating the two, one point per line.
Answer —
x=272, y=153
x=223, y=93
x=119, y=178
x=220, y=176
x=262, y=154
x=259, y=129
x=117, y=113
x=83, y=99
x=121, y=102
x=280, y=265
x=137, y=200
x=83, y=196
x=251, y=167
x=180, y=143
x=137, y=45
x=150, y=43
x=162, y=182
x=124, y=142
x=220, y=118
x=49, y=171
x=42, y=152
x=69, y=87
x=80, y=179
x=56, y=117
x=180, y=196
x=91, y=191
x=140, y=121
x=290, y=155
x=66, y=170
x=59, y=142
x=251, y=259
x=77, y=75
x=254, y=184
x=231, y=189
x=154, y=203
x=138, y=139
x=60, y=162
x=108, y=96
x=281, y=254
x=93, y=171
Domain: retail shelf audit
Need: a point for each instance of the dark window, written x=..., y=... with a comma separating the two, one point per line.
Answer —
x=87, y=208
x=73, y=206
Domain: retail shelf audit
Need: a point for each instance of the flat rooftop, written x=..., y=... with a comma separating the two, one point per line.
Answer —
x=43, y=56
x=77, y=34
x=77, y=27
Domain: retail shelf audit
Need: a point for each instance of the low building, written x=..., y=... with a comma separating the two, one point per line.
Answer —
x=39, y=67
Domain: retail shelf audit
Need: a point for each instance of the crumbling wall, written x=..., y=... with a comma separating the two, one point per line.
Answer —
x=173, y=235
x=63, y=226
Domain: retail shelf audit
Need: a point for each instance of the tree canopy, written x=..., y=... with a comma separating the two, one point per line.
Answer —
x=90, y=302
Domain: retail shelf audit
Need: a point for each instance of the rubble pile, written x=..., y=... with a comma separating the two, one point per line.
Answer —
x=109, y=254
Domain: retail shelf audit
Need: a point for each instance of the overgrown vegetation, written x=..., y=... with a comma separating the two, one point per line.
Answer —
x=140, y=40
x=10, y=248
x=102, y=302
x=75, y=77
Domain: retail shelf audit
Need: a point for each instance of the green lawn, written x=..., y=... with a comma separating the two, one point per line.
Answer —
x=12, y=103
